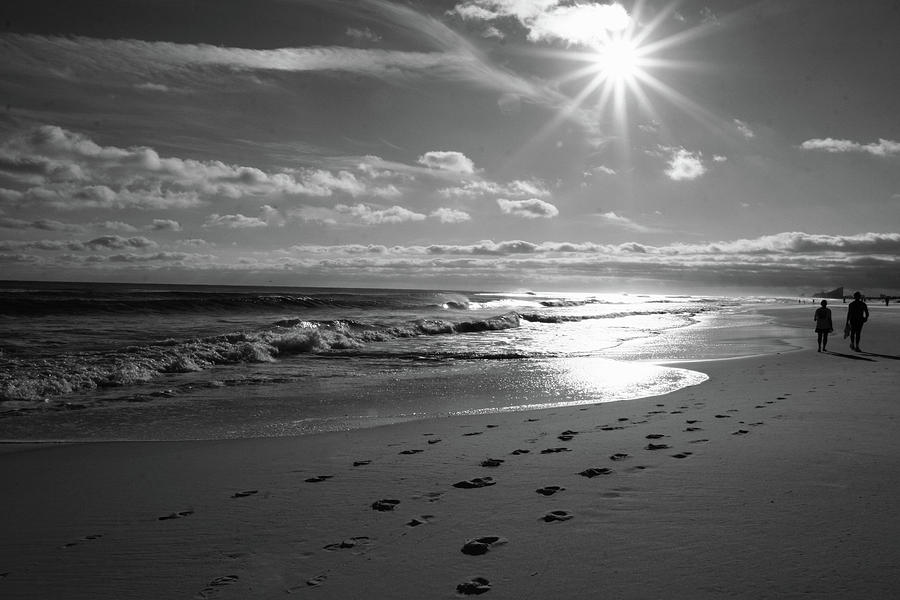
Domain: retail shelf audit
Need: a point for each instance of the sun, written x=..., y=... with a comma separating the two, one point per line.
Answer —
x=618, y=60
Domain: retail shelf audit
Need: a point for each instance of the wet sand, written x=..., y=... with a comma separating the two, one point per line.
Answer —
x=776, y=478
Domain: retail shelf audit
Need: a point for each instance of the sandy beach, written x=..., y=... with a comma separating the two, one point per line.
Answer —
x=776, y=478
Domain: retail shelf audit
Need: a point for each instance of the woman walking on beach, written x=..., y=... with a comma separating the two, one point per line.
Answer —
x=823, y=324
x=857, y=314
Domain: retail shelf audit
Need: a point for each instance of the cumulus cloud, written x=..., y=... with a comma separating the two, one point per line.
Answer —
x=519, y=188
x=165, y=225
x=268, y=216
x=534, y=208
x=582, y=24
x=882, y=147
x=794, y=261
x=456, y=162
x=61, y=169
x=450, y=215
x=684, y=165
x=116, y=242
x=374, y=215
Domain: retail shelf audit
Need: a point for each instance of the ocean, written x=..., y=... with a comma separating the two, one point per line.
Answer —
x=101, y=361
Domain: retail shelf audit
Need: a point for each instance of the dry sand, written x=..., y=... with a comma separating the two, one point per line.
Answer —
x=777, y=478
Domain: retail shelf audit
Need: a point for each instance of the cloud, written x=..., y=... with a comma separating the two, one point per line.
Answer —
x=882, y=147
x=360, y=36
x=116, y=242
x=456, y=162
x=518, y=188
x=151, y=87
x=268, y=216
x=451, y=215
x=618, y=221
x=165, y=225
x=41, y=224
x=373, y=215
x=61, y=169
x=684, y=165
x=791, y=261
x=534, y=208
x=744, y=129
x=582, y=24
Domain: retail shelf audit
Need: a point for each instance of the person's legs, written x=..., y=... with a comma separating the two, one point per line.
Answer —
x=854, y=336
x=819, y=340
x=824, y=335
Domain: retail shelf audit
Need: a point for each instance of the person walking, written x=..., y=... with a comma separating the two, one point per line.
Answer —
x=857, y=314
x=823, y=325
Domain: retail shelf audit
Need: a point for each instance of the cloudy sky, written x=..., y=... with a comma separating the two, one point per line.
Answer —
x=713, y=146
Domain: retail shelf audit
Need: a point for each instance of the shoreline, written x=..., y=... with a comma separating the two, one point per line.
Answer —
x=773, y=479
x=633, y=369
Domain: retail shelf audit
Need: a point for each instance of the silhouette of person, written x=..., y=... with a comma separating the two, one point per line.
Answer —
x=857, y=314
x=823, y=324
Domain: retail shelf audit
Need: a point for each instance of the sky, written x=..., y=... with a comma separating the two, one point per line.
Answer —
x=715, y=146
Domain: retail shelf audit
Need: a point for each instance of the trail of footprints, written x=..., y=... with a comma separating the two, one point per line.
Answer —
x=481, y=545
x=478, y=546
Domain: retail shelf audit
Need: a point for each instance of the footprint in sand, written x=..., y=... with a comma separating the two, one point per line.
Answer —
x=611, y=427
x=682, y=455
x=618, y=456
x=361, y=463
x=693, y=429
x=700, y=441
x=349, y=543
x=520, y=451
x=656, y=447
x=549, y=490
x=385, y=504
x=318, y=478
x=479, y=546
x=178, y=515
x=492, y=462
x=692, y=421
x=723, y=416
x=531, y=420
x=555, y=450
x=478, y=482
x=87, y=538
x=655, y=436
x=244, y=494
x=740, y=432
x=434, y=441
x=420, y=520
x=595, y=472
x=474, y=433
x=316, y=581
x=475, y=586
x=415, y=451
x=216, y=583
x=567, y=435
x=557, y=515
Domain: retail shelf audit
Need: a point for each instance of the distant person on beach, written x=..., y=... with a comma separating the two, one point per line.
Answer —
x=857, y=314
x=823, y=324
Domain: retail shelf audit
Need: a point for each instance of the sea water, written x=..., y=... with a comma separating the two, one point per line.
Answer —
x=124, y=361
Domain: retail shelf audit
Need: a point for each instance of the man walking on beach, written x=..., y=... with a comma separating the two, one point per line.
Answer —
x=857, y=314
